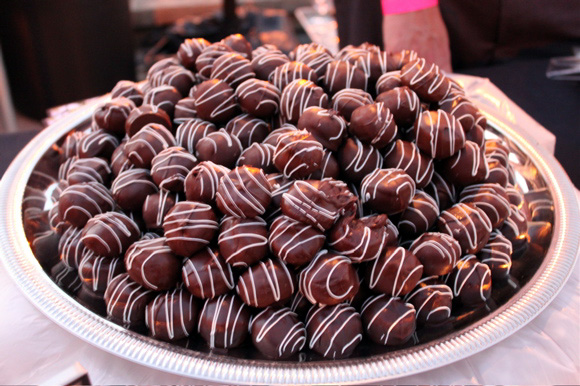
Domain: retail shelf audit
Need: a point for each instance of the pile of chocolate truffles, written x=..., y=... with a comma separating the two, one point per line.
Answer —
x=299, y=203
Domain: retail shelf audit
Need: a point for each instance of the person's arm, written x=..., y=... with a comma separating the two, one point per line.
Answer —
x=416, y=25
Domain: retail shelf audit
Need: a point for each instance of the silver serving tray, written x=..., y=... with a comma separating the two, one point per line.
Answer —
x=535, y=171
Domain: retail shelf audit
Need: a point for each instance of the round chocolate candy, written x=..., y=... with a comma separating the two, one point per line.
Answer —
x=491, y=198
x=298, y=96
x=96, y=272
x=189, y=226
x=70, y=247
x=131, y=188
x=373, y=124
x=432, y=300
x=69, y=147
x=165, y=97
x=442, y=191
x=202, y=181
x=373, y=62
x=111, y=116
x=388, y=81
x=334, y=331
x=160, y=65
x=110, y=234
x=126, y=301
x=170, y=167
x=328, y=169
x=461, y=108
x=272, y=138
x=184, y=110
x=66, y=278
x=219, y=147
x=317, y=203
x=438, y=134
x=144, y=115
x=468, y=166
x=207, y=57
x=191, y=131
x=325, y=125
x=497, y=255
x=294, y=242
x=238, y=43
x=477, y=135
x=206, y=274
x=289, y=72
x=298, y=154
x=96, y=143
x=259, y=155
x=388, y=191
x=400, y=58
x=248, y=129
x=277, y=333
x=359, y=239
x=329, y=279
x=129, y=90
x=515, y=227
x=316, y=59
x=223, y=322
x=407, y=156
x=265, y=63
x=189, y=50
x=388, y=321
x=468, y=224
x=301, y=49
x=438, y=252
x=340, y=75
x=153, y=264
x=215, y=101
x=419, y=216
x=426, y=79
x=357, y=160
x=497, y=149
x=175, y=76
x=79, y=203
x=266, y=283
x=77, y=170
x=395, y=272
x=156, y=206
x=470, y=281
x=403, y=103
x=172, y=315
x=232, y=68
x=243, y=241
x=258, y=97
x=498, y=174
x=278, y=185
x=347, y=100
x=244, y=192
x=142, y=147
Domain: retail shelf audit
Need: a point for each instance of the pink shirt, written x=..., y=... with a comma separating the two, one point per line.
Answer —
x=392, y=7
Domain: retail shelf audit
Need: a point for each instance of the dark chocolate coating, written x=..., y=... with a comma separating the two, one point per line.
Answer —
x=470, y=281
x=232, y=68
x=189, y=50
x=66, y=278
x=111, y=116
x=328, y=169
x=298, y=96
x=497, y=255
x=278, y=333
x=395, y=272
x=205, y=60
x=426, y=79
x=266, y=283
x=184, y=110
x=131, y=188
x=358, y=160
x=407, y=156
x=189, y=226
x=126, y=301
x=202, y=181
x=334, y=331
x=259, y=155
x=217, y=326
x=243, y=241
x=219, y=147
x=432, y=300
x=373, y=62
x=359, y=239
x=272, y=138
x=129, y=90
x=170, y=167
x=325, y=125
x=388, y=321
x=497, y=149
x=215, y=101
x=78, y=203
x=347, y=100
x=258, y=98
x=468, y=224
x=172, y=315
x=438, y=252
x=403, y=103
x=207, y=275
x=244, y=192
x=78, y=170
x=278, y=186
x=373, y=124
x=164, y=96
x=340, y=75
x=144, y=115
x=438, y=134
x=491, y=198
x=161, y=65
x=248, y=129
x=265, y=63
x=398, y=59
x=419, y=216
x=191, y=131
x=96, y=272
x=388, y=81
x=152, y=264
x=97, y=143
x=110, y=234
x=314, y=58
x=175, y=76
x=70, y=247
x=498, y=174
x=388, y=191
x=294, y=242
x=156, y=206
x=442, y=191
x=286, y=73
x=515, y=227
x=142, y=147
x=70, y=145
x=238, y=43
x=466, y=113
x=466, y=167
x=477, y=135
x=298, y=154
x=301, y=49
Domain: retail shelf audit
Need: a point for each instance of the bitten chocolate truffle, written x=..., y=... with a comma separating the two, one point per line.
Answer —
x=298, y=154
x=388, y=191
x=111, y=116
x=388, y=321
x=147, y=143
x=403, y=103
x=294, y=242
x=126, y=301
x=243, y=241
x=419, y=216
x=189, y=226
x=286, y=73
x=207, y=275
x=373, y=124
x=438, y=252
x=426, y=79
x=232, y=68
x=215, y=101
x=359, y=239
x=78, y=203
x=470, y=281
x=277, y=333
x=334, y=331
x=497, y=255
x=223, y=322
x=407, y=156
x=244, y=192
x=248, y=129
x=298, y=96
x=131, y=188
x=156, y=206
x=266, y=283
x=144, y=115
x=189, y=50
x=340, y=75
x=171, y=316
x=438, y=134
x=432, y=300
x=129, y=90
x=325, y=125
x=191, y=131
x=202, y=181
x=468, y=224
x=347, y=100
x=358, y=160
x=110, y=234
x=259, y=98
x=468, y=166
x=396, y=272
x=170, y=167
x=491, y=198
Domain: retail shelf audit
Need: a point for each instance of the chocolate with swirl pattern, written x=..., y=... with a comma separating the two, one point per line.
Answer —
x=96, y=272
x=470, y=281
x=438, y=134
x=266, y=283
x=340, y=75
x=438, y=252
x=396, y=272
x=491, y=198
x=156, y=206
x=248, y=129
x=170, y=167
x=189, y=50
x=432, y=300
x=232, y=68
x=403, y=103
x=419, y=216
x=298, y=154
x=126, y=301
x=468, y=166
x=442, y=191
x=191, y=131
x=172, y=315
x=79, y=203
x=288, y=72
x=388, y=321
x=205, y=60
x=277, y=333
x=349, y=99
x=201, y=183
x=244, y=193
x=325, y=125
x=259, y=155
x=426, y=79
x=131, y=188
x=373, y=124
x=96, y=143
x=388, y=81
x=220, y=147
x=265, y=63
x=128, y=89
x=294, y=242
x=142, y=147
x=110, y=234
x=497, y=255
x=297, y=96
x=70, y=247
x=243, y=241
x=215, y=101
x=111, y=116
x=357, y=160
x=207, y=275
x=258, y=97
x=144, y=115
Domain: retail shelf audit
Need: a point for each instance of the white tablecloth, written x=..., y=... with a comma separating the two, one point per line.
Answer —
x=546, y=351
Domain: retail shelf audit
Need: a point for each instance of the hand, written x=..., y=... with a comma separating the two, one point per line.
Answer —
x=423, y=31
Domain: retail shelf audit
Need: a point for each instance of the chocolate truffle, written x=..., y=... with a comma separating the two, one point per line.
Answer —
x=395, y=272
x=477, y=135
x=80, y=170
x=497, y=255
x=340, y=75
x=278, y=185
x=223, y=322
x=334, y=331
x=206, y=274
x=66, y=278
x=265, y=63
x=491, y=198
x=463, y=110
x=373, y=62
x=78, y=203
x=328, y=169
x=300, y=305
x=277, y=333
x=189, y=226
x=202, y=181
x=325, y=125
x=468, y=224
x=96, y=272
x=144, y=115
x=232, y=68
x=142, y=147
x=238, y=43
x=97, y=143
x=373, y=124
x=426, y=79
x=294, y=242
x=442, y=191
x=301, y=49
x=347, y=100
x=317, y=203
x=156, y=206
x=419, y=216
x=432, y=300
x=184, y=110
x=470, y=281
x=160, y=65
x=466, y=167
x=497, y=149
x=298, y=96
x=515, y=227
x=258, y=97
x=259, y=155
x=129, y=90
x=171, y=315
x=243, y=241
x=207, y=57
x=400, y=58
x=174, y=76
x=215, y=101
x=403, y=103
x=388, y=321
x=126, y=301
x=219, y=147
x=111, y=116
x=359, y=239
x=388, y=191
x=110, y=234
x=189, y=50
x=314, y=58
x=438, y=252
x=164, y=96
x=131, y=188
x=248, y=129
x=191, y=131
x=69, y=147
x=498, y=174
x=266, y=283
x=358, y=160
x=286, y=73
x=70, y=247
x=388, y=81
x=170, y=167
x=298, y=154
x=438, y=134
x=244, y=192
x=407, y=156
x=272, y=138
